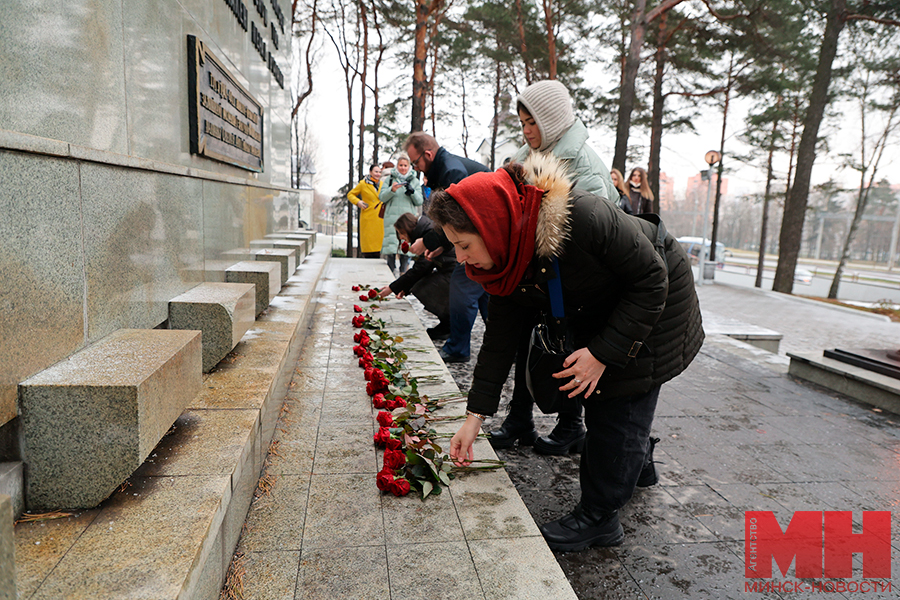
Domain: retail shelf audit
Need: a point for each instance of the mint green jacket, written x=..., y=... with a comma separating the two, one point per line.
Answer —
x=583, y=165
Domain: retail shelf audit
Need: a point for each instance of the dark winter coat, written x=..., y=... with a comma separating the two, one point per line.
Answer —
x=636, y=311
x=639, y=204
x=447, y=169
x=422, y=267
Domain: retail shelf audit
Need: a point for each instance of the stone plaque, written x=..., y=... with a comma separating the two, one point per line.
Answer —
x=226, y=121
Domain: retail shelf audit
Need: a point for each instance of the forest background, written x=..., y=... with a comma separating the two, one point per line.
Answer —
x=801, y=99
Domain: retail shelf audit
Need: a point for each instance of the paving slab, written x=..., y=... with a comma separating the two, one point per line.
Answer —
x=317, y=495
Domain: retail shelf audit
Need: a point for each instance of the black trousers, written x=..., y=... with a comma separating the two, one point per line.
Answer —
x=617, y=442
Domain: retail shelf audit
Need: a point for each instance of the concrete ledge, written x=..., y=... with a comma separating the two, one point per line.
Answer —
x=286, y=258
x=265, y=275
x=89, y=421
x=171, y=533
x=7, y=551
x=12, y=484
x=862, y=385
x=222, y=311
x=767, y=339
x=311, y=233
x=297, y=245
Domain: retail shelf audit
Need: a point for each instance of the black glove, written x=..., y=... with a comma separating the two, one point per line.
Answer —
x=409, y=188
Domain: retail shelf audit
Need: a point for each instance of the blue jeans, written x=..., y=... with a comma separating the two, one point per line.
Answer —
x=466, y=299
x=392, y=262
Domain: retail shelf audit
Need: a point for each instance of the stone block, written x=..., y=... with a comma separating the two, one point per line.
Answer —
x=7, y=551
x=260, y=244
x=266, y=276
x=12, y=484
x=298, y=246
x=305, y=232
x=287, y=259
x=89, y=421
x=222, y=311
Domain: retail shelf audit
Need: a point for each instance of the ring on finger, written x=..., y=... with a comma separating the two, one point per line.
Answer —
x=577, y=380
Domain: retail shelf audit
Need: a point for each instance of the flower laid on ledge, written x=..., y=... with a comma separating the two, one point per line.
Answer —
x=412, y=457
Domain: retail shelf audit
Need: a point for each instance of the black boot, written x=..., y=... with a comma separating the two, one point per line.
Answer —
x=582, y=529
x=441, y=331
x=567, y=436
x=518, y=427
x=648, y=475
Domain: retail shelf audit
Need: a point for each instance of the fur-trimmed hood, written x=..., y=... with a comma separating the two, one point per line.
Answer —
x=545, y=171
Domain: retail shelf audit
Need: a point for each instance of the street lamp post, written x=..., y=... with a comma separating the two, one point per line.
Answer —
x=712, y=157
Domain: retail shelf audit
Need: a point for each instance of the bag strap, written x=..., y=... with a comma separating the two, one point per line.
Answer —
x=555, y=289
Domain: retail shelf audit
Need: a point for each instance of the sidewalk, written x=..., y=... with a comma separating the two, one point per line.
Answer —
x=737, y=434
x=319, y=528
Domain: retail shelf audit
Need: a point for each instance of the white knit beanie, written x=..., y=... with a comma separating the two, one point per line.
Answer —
x=550, y=106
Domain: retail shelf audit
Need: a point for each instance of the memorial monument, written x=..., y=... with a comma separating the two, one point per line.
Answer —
x=139, y=142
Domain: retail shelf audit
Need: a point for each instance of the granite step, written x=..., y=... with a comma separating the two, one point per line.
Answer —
x=169, y=532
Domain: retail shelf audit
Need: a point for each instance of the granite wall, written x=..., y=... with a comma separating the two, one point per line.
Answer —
x=105, y=215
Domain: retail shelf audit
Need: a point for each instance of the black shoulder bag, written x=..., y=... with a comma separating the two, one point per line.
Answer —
x=549, y=346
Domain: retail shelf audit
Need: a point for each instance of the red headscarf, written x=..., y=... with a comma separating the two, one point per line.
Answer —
x=505, y=216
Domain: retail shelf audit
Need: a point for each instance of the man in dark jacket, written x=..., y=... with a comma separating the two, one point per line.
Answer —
x=466, y=297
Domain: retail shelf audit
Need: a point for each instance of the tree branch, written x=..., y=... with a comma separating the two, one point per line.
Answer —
x=882, y=21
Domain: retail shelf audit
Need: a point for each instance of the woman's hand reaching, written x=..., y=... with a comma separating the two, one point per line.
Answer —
x=461, y=446
x=585, y=371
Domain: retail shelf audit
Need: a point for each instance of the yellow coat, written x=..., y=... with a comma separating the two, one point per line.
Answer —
x=371, y=226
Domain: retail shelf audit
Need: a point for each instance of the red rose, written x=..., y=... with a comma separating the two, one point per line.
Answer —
x=358, y=350
x=362, y=363
x=357, y=308
x=378, y=401
x=372, y=293
x=398, y=402
x=355, y=288
x=367, y=357
x=364, y=340
x=363, y=297
x=393, y=444
x=383, y=435
x=368, y=373
x=384, y=479
x=394, y=459
x=373, y=388
x=404, y=247
x=400, y=487
x=385, y=419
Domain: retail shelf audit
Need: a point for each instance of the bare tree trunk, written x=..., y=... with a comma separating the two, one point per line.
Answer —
x=301, y=96
x=420, y=86
x=520, y=21
x=465, y=127
x=376, y=120
x=764, y=225
x=551, y=37
x=656, y=121
x=639, y=22
x=364, y=19
x=795, y=205
x=434, y=61
x=495, y=123
x=863, y=197
x=715, y=226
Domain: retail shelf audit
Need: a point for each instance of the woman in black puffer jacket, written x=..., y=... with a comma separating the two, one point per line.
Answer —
x=427, y=280
x=629, y=298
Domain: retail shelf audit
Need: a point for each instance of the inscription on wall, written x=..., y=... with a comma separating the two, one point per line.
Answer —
x=240, y=12
x=226, y=121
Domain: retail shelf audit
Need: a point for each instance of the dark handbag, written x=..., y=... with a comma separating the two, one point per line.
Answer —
x=548, y=348
x=381, y=210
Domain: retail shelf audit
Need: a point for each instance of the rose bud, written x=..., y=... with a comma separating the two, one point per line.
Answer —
x=355, y=288
x=378, y=401
x=400, y=487
x=363, y=297
x=357, y=308
x=384, y=479
x=383, y=435
x=393, y=444
x=385, y=419
x=372, y=293
x=394, y=459
x=404, y=246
